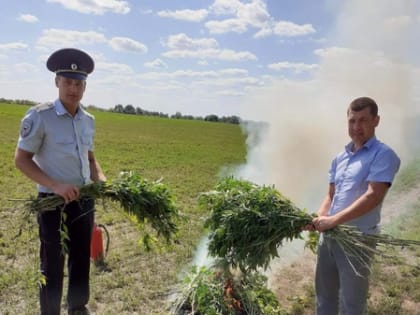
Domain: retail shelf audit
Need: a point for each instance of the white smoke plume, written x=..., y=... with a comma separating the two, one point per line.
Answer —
x=373, y=50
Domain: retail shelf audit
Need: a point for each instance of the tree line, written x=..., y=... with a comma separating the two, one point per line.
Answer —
x=18, y=102
x=131, y=110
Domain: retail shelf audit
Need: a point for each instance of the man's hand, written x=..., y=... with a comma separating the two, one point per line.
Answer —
x=323, y=223
x=67, y=191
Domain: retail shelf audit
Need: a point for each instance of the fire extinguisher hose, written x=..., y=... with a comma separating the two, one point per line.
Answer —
x=107, y=237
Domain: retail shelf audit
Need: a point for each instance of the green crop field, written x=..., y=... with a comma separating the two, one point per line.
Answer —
x=189, y=156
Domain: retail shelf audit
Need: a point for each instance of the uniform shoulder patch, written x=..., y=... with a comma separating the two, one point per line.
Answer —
x=43, y=106
x=26, y=127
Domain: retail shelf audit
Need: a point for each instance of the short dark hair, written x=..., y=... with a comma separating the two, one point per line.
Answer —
x=361, y=103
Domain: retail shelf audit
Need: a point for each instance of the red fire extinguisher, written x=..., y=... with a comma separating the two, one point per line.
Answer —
x=97, y=251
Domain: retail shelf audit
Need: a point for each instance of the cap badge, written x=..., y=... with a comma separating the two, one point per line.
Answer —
x=73, y=66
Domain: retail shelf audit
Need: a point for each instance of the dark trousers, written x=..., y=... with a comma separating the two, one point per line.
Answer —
x=79, y=222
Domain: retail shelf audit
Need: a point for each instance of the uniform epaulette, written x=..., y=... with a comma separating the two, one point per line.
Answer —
x=86, y=112
x=43, y=106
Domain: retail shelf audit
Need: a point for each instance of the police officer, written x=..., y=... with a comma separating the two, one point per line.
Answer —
x=55, y=150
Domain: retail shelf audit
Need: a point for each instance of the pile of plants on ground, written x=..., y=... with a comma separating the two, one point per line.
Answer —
x=247, y=224
x=221, y=290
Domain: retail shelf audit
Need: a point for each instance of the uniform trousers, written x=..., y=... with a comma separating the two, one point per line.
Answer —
x=79, y=221
x=339, y=289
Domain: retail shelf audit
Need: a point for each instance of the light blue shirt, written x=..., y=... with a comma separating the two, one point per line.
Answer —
x=352, y=171
x=60, y=142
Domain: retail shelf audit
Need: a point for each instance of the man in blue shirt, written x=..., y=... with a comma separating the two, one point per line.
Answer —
x=360, y=177
x=55, y=150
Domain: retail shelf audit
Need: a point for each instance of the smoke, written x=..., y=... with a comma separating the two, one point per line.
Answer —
x=372, y=51
x=299, y=126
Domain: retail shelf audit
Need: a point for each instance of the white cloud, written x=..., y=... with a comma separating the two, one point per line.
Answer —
x=255, y=13
x=60, y=38
x=227, y=54
x=112, y=67
x=295, y=67
x=228, y=25
x=20, y=72
x=226, y=81
x=28, y=18
x=179, y=74
x=156, y=64
x=234, y=72
x=25, y=68
x=264, y=32
x=226, y=6
x=285, y=28
x=331, y=52
x=182, y=41
x=223, y=77
x=182, y=46
x=224, y=54
x=252, y=15
x=185, y=15
x=53, y=38
x=97, y=7
x=127, y=44
x=12, y=47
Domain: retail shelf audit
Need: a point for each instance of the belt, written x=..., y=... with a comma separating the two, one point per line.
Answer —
x=44, y=194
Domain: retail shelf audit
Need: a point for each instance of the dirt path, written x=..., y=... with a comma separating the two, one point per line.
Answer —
x=288, y=280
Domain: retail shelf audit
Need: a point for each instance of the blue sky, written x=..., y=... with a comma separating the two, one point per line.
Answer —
x=197, y=57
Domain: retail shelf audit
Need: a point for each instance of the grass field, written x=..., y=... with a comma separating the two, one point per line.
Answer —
x=189, y=155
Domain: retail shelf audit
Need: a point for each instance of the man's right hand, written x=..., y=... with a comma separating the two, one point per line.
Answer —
x=67, y=191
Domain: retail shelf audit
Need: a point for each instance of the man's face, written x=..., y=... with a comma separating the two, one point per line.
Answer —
x=361, y=126
x=70, y=90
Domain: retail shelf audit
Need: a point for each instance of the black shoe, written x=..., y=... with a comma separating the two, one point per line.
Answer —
x=79, y=311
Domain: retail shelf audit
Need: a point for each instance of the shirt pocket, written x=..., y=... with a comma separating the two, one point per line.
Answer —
x=87, y=141
x=65, y=143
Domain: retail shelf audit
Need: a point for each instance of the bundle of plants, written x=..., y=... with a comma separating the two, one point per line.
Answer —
x=248, y=223
x=214, y=291
x=147, y=201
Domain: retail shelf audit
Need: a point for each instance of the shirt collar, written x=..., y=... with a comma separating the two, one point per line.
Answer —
x=368, y=144
x=61, y=110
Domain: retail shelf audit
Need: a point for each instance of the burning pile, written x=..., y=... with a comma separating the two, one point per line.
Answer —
x=218, y=291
